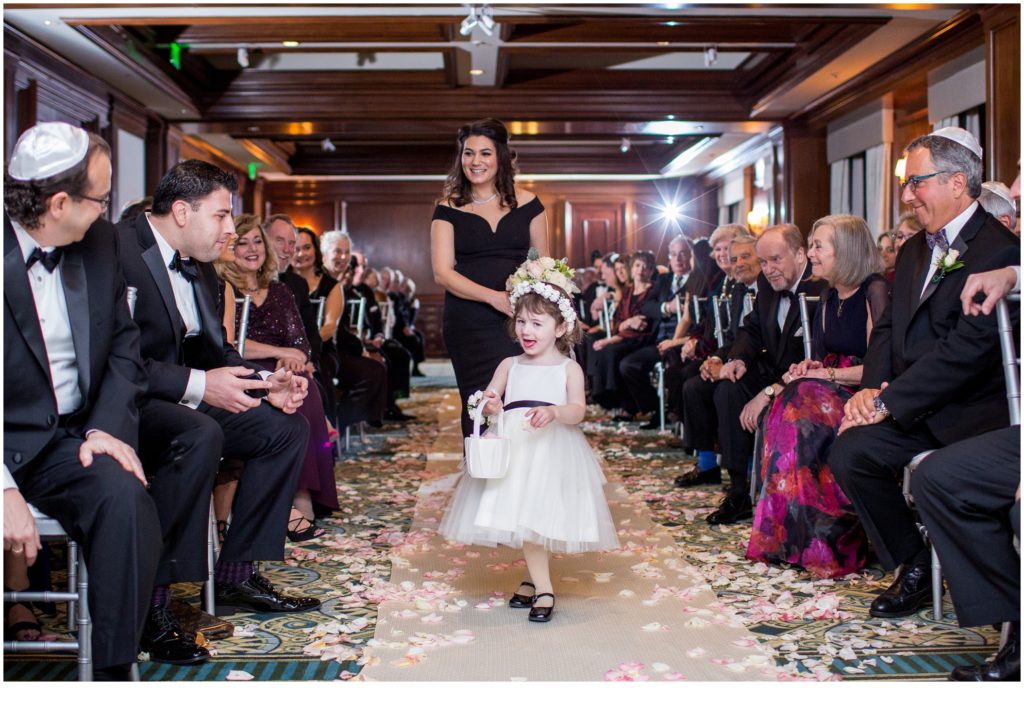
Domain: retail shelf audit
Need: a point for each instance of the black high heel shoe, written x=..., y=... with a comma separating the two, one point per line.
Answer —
x=522, y=601
x=542, y=614
x=301, y=535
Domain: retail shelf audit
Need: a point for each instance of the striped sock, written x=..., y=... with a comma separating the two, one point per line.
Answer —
x=229, y=574
x=161, y=596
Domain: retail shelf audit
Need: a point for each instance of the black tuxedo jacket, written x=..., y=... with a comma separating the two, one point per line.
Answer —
x=944, y=368
x=760, y=343
x=110, y=373
x=166, y=356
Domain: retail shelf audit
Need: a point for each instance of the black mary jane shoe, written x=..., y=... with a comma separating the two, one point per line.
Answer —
x=301, y=535
x=522, y=601
x=542, y=614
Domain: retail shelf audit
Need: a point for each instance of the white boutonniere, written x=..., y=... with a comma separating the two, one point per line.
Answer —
x=947, y=264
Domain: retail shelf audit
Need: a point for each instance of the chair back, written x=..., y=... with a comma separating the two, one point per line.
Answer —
x=1011, y=359
x=357, y=315
x=716, y=307
x=320, y=303
x=805, y=322
x=609, y=310
x=243, y=324
x=388, y=312
x=133, y=295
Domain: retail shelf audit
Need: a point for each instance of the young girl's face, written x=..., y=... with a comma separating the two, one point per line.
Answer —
x=537, y=332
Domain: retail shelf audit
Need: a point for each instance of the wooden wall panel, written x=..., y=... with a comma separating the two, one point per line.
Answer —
x=1002, y=40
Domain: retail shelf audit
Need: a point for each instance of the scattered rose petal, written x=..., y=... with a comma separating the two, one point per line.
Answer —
x=239, y=675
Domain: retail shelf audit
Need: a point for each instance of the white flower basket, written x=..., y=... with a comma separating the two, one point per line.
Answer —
x=487, y=456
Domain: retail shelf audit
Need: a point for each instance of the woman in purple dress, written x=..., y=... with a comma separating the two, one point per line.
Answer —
x=803, y=518
x=276, y=339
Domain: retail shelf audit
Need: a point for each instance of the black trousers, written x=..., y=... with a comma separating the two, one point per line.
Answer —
x=414, y=343
x=867, y=462
x=399, y=368
x=363, y=386
x=109, y=513
x=677, y=373
x=606, y=386
x=964, y=493
x=635, y=370
x=735, y=442
x=183, y=448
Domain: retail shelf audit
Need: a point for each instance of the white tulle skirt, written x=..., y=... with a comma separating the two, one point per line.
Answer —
x=553, y=495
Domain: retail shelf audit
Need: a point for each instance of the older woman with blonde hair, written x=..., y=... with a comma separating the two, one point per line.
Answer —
x=276, y=338
x=803, y=518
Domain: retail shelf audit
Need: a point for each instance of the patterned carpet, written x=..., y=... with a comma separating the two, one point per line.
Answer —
x=818, y=629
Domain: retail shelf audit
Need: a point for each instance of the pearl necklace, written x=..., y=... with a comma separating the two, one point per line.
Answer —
x=489, y=199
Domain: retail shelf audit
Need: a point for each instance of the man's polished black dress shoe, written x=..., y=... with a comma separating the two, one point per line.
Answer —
x=731, y=510
x=695, y=477
x=1004, y=668
x=258, y=594
x=113, y=673
x=542, y=614
x=910, y=592
x=522, y=601
x=167, y=642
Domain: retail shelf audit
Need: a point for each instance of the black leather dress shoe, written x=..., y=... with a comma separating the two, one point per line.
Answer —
x=258, y=594
x=1004, y=668
x=695, y=477
x=522, y=601
x=542, y=614
x=167, y=642
x=731, y=510
x=113, y=673
x=910, y=592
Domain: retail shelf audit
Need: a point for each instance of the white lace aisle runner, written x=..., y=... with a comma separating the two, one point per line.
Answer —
x=640, y=613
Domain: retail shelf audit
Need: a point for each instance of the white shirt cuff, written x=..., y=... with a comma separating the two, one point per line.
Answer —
x=9, y=482
x=1016, y=285
x=264, y=374
x=195, y=389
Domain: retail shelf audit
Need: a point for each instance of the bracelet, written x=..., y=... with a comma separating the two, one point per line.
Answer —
x=831, y=374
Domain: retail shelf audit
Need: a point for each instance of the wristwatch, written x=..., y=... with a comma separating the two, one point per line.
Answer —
x=880, y=407
x=769, y=391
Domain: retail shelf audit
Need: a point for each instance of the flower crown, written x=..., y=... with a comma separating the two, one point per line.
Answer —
x=547, y=277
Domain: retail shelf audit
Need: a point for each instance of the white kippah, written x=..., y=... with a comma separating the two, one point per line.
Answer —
x=48, y=149
x=999, y=190
x=961, y=136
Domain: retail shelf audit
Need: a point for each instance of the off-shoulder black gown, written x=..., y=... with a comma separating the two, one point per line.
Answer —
x=475, y=333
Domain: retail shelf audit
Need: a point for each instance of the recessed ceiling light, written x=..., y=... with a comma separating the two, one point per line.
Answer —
x=663, y=43
x=670, y=116
x=671, y=24
x=476, y=71
x=48, y=22
x=291, y=44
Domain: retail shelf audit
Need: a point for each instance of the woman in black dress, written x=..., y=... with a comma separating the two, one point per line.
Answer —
x=481, y=231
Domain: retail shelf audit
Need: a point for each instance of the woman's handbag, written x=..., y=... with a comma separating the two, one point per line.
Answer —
x=487, y=456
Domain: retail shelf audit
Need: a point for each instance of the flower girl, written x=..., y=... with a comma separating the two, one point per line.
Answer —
x=551, y=499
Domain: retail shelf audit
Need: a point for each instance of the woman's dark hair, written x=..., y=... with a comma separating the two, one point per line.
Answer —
x=535, y=304
x=26, y=200
x=647, y=257
x=191, y=181
x=706, y=273
x=318, y=257
x=610, y=259
x=458, y=190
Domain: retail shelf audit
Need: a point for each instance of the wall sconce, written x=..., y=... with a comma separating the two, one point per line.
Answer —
x=900, y=170
x=757, y=219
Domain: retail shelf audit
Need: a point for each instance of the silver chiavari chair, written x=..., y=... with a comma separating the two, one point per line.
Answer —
x=388, y=314
x=805, y=322
x=716, y=308
x=357, y=315
x=606, y=321
x=320, y=304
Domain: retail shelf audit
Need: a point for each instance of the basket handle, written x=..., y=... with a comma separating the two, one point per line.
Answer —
x=478, y=417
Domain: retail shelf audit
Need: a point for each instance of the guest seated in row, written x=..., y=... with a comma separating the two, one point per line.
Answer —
x=996, y=200
x=932, y=375
x=802, y=516
x=887, y=249
x=326, y=301
x=406, y=306
x=360, y=380
x=700, y=423
x=276, y=339
x=767, y=344
x=631, y=330
x=665, y=306
x=907, y=226
x=196, y=410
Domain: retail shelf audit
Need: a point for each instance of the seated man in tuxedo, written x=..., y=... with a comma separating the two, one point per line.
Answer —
x=636, y=367
x=204, y=403
x=968, y=494
x=769, y=341
x=932, y=375
x=700, y=426
x=72, y=375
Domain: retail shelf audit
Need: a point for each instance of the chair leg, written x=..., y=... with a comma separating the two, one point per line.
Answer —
x=84, y=624
x=135, y=676
x=661, y=395
x=936, y=586
x=348, y=438
x=755, y=465
x=72, y=583
x=211, y=560
x=362, y=433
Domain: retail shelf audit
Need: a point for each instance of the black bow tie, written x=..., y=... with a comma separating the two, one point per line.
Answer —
x=186, y=266
x=787, y=294
x=49, y=260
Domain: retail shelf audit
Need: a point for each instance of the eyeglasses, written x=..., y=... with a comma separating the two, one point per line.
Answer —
x=102, y=201
x=914, y=181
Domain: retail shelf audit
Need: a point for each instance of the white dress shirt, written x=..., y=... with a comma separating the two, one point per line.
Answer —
x=52, y=311
x=185, y=301
x=952, y=230
x=786, y=302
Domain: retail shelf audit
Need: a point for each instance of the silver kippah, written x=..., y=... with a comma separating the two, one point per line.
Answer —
x=48, y=149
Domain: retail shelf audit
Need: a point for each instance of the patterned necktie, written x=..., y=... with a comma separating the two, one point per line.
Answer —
x=49, y=260
x=186, y=266
x=937, y=239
